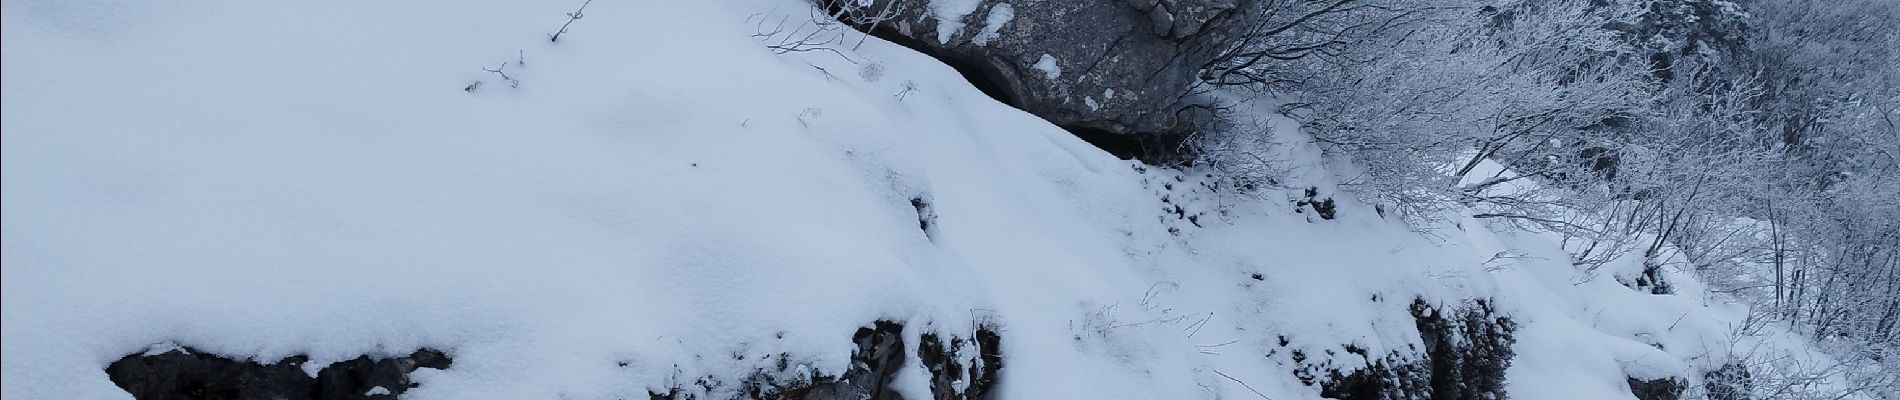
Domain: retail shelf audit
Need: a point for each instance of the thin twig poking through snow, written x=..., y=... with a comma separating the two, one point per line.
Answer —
x=821, y=30
x=501, y=70
x=1501, y=260
x=1243, y=384
x=1208, y=349
x=576, y=15
x=809, y=114
x=828, y=75
x=521, y=60
x=814, y=34
x=909, y=86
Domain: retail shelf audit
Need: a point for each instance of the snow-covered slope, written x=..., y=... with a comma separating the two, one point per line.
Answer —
x=663, y=198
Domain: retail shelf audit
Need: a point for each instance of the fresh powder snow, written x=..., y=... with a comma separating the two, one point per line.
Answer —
x=662, y=198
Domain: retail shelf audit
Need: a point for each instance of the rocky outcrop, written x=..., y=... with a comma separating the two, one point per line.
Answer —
x=1392, y=378
x=1657, y=389
x=1467, y=350
x=1118, y=66
x=959, y=369
x=874, y=364
x=185, y=374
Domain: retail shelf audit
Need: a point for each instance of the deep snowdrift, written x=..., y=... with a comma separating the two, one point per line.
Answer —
x=663, y=198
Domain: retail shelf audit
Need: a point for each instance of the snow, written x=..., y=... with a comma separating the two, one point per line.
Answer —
x=177, y=175
x=1047, y=64
x=379, y=390
x=163, y=348
x=1000, y=15
x=950, y=14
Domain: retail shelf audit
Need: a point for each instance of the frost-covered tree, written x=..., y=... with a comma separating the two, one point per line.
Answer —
x=1750, y=137
x=1435, y=88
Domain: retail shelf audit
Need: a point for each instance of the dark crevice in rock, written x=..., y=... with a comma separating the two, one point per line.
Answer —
x=1107, y=53
x=1467, y=350
x=1657, y=389
x=185, y=374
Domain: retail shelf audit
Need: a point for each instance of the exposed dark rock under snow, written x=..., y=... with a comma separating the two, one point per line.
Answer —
x=1657, y=389
x=1467, y=350
x=182, y=373
x=959, y=369
x=1118, y=67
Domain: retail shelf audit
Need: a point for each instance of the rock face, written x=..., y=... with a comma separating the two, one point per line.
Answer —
x=1116, y=66
x=183, y=374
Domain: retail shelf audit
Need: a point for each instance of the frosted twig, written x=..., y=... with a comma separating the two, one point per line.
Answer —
x=1243, y=384
x=501, y=70
x=575, y=15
